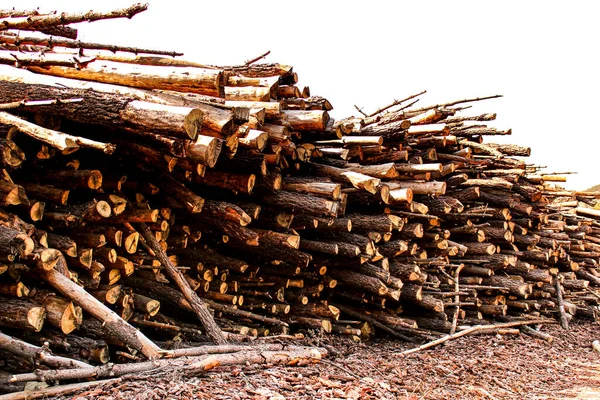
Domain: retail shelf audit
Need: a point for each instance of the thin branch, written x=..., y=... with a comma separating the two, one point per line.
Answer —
x=53, y=391
x=36, y=103
x=13, y=13
x=456, y=299
x=252, y=61
x=453, y=103
x=395, y=103
x=20, y=59
x=360, y=110
x=475, y=328
x=77, y=44
x=38, y=22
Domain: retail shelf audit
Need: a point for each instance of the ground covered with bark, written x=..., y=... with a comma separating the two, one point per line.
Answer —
x=473, y=367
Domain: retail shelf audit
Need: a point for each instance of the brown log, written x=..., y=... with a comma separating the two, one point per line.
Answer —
x=21, y=314
x=63, y=142
x=112, y=322
x=22, y=349
x=47, y=193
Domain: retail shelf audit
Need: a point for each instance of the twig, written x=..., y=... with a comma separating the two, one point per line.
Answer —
x=360, y=110
x=395, y=103
x=252, y=61
x=472, y=329
x=593, y=292
x=346, y=370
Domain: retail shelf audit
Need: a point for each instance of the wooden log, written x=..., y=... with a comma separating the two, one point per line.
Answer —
x=23, y=349
x=47, y=193
x=431, y=188
x=65, y=143
x=22, y=314
x=307, y=203
x=112, y=322
x=60, y=313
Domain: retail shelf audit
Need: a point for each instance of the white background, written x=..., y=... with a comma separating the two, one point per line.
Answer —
x=541, y=55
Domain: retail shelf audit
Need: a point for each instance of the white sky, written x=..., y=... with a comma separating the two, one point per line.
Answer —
x=541, y=55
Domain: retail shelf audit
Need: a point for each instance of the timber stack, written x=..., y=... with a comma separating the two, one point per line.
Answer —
x=139, y=189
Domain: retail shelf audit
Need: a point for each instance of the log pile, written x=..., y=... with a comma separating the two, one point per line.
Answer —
x=138, y=192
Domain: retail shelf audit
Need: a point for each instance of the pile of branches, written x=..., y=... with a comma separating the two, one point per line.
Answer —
x=141, y=193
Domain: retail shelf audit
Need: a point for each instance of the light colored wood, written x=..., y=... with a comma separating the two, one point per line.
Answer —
x=183, y=79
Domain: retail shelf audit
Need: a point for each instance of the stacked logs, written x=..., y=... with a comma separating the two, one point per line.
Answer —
x=118, y=167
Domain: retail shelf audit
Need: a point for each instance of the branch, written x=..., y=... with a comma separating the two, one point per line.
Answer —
x=472, y=329
x=77, y=44
x=395, y=103
x=13, y=13
x=456, y=298
x=200, y=309
x=21, y=59
x=38, y=22
x=36, y=103
x=495, y=96
x=564, y=321
x=292, y=356
x=252, y=61
x=360, y=110
x=53, y=391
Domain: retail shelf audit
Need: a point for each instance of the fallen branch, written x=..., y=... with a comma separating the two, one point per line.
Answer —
x=537, y=334
x=219, y=349
x=472, y=329
x=191, y=365
x=54, y=391
x=199, y=307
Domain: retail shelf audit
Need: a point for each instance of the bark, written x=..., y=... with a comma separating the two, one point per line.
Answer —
x=189, y=364
x=29, y=351
x=112, y=322
x=22, y=314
